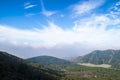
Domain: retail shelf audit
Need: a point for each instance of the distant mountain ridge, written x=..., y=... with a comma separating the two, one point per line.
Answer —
x=52, y=62
x=15, y=68
x=110, y=56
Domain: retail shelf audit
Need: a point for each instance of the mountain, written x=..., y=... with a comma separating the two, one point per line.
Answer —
x=111, y=57
x=77, y=72
x=14, y=68
x=52, y=62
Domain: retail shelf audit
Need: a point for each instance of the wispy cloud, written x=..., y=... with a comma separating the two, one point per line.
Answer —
x=86, y=6
x=46, y=12
x=29, y=5
x=115, y=10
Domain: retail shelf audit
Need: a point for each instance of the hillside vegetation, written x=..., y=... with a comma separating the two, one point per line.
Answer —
x=52, y=62
x=14, y=68
x=91, y=73
x=79, y=72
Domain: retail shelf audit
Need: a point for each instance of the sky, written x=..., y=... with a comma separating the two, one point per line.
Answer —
x=60, y=28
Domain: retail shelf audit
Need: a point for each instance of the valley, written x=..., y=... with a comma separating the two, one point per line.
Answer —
x=52, y=68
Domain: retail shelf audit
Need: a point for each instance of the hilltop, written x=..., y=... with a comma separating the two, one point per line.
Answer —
x=52, y=62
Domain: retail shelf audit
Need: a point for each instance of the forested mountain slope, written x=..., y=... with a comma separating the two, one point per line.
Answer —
x=111, y=57
x=14, y=68
x=52, y=62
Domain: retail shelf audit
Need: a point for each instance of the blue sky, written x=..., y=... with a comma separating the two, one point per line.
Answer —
x=18, y=13
x=54, y=27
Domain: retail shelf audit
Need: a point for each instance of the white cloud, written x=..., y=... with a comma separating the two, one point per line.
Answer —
x=94, y=31
x=90, y=31
x=30, y=6
x=86, y=6
x=115, y=10
x=87, y=34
